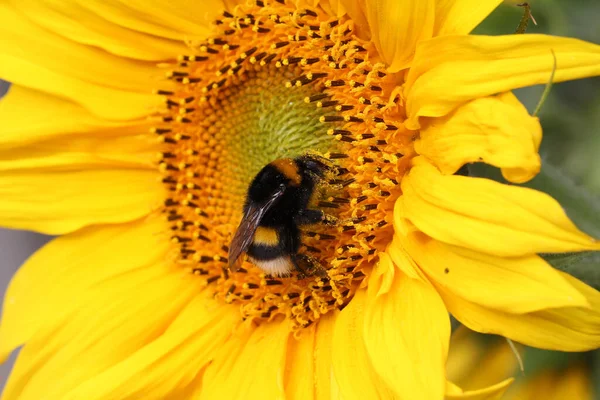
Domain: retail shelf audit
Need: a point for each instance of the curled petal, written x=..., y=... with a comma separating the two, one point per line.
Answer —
x=407, y=341
x=397, y=27
x=350, y=358
x=494, y=392
x=513, y=285
x=497, y=130
x=486, y=216
x=451, y=70
x=564, y=328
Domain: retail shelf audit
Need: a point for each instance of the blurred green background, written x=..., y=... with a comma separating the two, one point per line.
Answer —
x=570, y=151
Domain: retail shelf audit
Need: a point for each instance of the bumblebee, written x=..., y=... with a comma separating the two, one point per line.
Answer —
x=276, y=205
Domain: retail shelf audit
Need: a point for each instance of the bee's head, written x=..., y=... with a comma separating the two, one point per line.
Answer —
x=268, y=181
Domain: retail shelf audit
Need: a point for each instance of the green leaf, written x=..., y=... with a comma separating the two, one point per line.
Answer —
x=595, y=378
x=580, y=205
x=538, y=360
x=583, y=266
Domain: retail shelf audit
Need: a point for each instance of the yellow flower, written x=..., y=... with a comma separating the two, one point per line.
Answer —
x=134, y=300
x=475, y=361
x=573, y=382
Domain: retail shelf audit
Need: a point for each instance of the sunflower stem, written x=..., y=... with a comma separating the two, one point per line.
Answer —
x=517, y=355
x=547, y=88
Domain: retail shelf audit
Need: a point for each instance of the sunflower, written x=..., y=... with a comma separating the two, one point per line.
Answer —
x=475, y=361
x=135, y=300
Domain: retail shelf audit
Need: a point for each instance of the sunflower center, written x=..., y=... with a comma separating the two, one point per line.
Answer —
x=273, y=82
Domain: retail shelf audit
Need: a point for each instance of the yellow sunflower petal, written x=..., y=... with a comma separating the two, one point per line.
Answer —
x=27, y=41
x=508, y=138
x=175, y=19
x=111, y=86
x=450, y=70
x=332, y=7
x=300, y=366
x=494, y=392
x=29, y=116
x=172, y=361
x=461, y=16
x=53, y=279
x=487, y=216
x=125, y=151
x=357, y=11
x=78, y=23
x=513, y=285
x=407, y=341
x=573, y=382
x=397, y=27
x=403, y=260
x=354, y=372
x=129, y=322
x=565, y=328
x=45, y=132
x=262, y=352
x=324, y=380
x=57, y=202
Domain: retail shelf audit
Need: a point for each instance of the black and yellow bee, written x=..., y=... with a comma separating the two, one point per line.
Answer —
x=276, y=205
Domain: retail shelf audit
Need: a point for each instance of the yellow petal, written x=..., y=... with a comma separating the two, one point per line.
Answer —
x=334, y=8
x=300, y=366
x=53, y=279
x=494, y=392
x=57, y=202
x=29, y=116
x=513, y=285
x=44, y=132
x=111, y=321
x=357, y=11
x=487, y=216
x=403, y=260
x=464, y=356
x=354, y=372
x=110, y=86
x=175, y=19
x=172, y=361
x=80, y=24
x=406, y=333
x=397, y=27
x=497, y=130
x=461, y=16
x=564, y=329
x=572, y=382
x=256, y=371
x=475, y=363
x=448, y=71
x=324, y=380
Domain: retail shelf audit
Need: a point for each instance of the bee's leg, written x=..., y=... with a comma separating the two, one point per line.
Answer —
x=302, y=273
x=315, y=267
x=310, y=217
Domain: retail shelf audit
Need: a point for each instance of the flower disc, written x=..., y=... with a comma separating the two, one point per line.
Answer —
x=272, y=82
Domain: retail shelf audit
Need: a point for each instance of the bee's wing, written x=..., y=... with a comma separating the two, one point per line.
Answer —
x=245, y=232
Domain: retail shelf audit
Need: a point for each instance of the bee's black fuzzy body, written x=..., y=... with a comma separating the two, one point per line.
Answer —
x=276, y=205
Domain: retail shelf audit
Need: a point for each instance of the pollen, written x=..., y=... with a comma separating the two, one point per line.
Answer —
x=277, y=81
